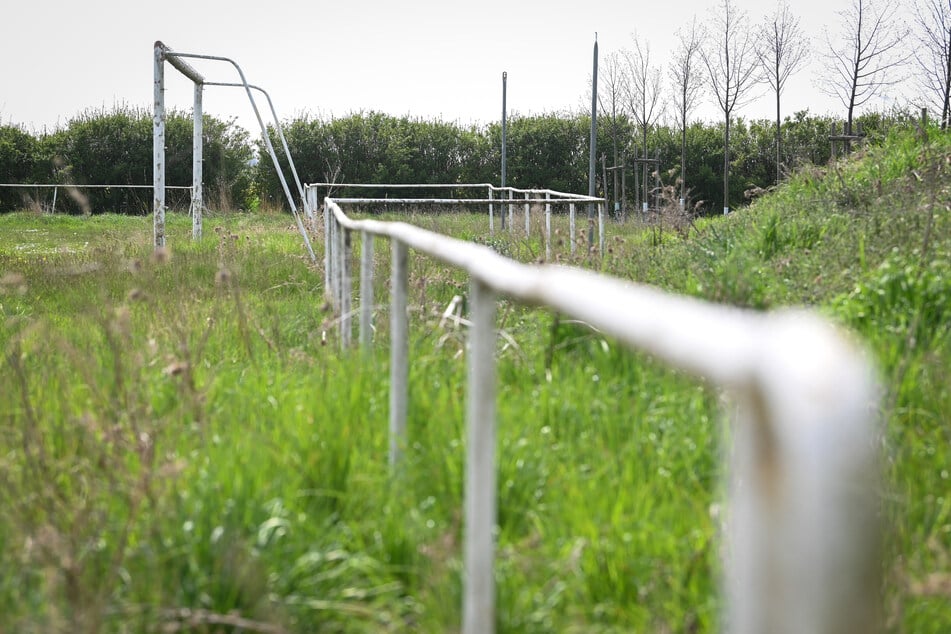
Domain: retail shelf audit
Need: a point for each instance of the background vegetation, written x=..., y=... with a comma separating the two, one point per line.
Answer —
x=115, y=148
x=182, y=448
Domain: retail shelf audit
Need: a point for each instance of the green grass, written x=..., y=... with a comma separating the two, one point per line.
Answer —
x=183, y=446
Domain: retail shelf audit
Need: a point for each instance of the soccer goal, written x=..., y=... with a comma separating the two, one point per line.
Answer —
x=177, y=60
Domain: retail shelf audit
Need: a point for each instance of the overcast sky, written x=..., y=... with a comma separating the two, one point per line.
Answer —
x=429, y=58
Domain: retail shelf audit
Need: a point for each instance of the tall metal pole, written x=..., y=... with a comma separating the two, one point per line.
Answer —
x=504, y=133
x=594, y=143
x=197, y=136
x=158, y=148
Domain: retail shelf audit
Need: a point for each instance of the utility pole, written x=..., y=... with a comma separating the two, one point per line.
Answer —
x=593, y=151
x=504, y=133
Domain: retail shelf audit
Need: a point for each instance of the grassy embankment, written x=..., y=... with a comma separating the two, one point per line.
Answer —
x=180, y=448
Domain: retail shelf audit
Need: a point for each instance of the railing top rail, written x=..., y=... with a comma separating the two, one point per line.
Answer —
x=490, y=186
x=403, y=185
x=459, y=201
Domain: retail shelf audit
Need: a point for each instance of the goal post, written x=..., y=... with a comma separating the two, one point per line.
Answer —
x=161, y=55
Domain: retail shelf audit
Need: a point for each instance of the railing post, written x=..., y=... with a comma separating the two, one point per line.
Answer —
x=571, y=226
x=366, y=290
x=802, y=539
x=547, y=227
x=313, y=202
x=346, y=290
x=480, y=486
x=491, y=214
x=399, y=351
x=528, y=216
x=334, y=261
x=328, y=249
x=338, y=266
x=511, y=209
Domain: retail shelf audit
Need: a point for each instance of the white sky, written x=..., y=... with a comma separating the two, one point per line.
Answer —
x=429, y=58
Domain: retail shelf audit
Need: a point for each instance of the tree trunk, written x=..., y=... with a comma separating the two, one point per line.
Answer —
x=683, y=159
x=637, y=183
x=778, y=125
x=645, y=183
x=614, y=172
x=946, y=106
x=726, y=166
x=624, y=187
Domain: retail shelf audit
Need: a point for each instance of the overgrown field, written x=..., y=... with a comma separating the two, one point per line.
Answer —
x=183, y=447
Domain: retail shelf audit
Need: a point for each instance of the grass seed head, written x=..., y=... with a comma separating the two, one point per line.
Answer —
x=13, y=282
x=162, y=255
x=175, y=368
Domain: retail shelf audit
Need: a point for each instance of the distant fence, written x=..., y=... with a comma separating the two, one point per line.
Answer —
x=73, y=188
x=801, y=534
x=502, y=197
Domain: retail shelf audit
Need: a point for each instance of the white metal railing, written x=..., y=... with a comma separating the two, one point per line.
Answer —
x=548, y=197
x=801, y=534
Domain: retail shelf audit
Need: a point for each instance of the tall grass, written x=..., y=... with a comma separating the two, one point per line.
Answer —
x=183, y=448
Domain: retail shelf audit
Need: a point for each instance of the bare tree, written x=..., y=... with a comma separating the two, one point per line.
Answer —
x=732, y=67
x=863, y=59
x=782, y=49
x=644, y=94
x=685, y=77
x=611, y=97
x=933, y=34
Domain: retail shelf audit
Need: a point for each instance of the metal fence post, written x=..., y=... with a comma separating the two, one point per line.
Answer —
x=491, y=214
x=399, y=351
x=802, y=545
x=341, y=234
x=328, y=249
x=338, y=266
x=571, y=226
x=332, y=263
x=547, y=226
x=480, y=486
x=528, y=216
x=366, y=290
x=511, y=209
x=346, y=287
x=313, y=202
